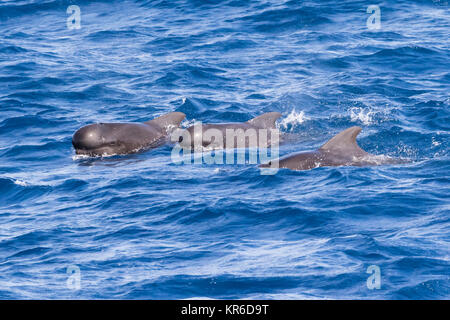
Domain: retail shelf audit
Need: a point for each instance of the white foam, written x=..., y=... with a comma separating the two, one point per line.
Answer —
x=293, y=119
x=103, y=155
x=407, y=150
x=435, y=143
x=21, y=183
x=80, y=157
x=187, y=123
x=364, y=115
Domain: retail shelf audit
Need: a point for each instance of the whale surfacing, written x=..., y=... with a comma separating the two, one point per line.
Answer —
x=341, y=150
x=230, y=135
x=104, y=139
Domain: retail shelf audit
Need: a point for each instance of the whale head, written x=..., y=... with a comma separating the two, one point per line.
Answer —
x=98, y=139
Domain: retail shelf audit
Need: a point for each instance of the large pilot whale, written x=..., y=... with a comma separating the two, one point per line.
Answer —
x=240, y=134
x=103, y=139
x=341, y=150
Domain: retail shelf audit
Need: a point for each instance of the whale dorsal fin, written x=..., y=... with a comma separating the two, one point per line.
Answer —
x=345, y=141
x=170, y=119
x=266, y=120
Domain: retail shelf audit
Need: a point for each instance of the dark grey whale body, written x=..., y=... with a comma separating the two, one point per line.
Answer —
x=341, y=150
x=214, y=135
x=103, y=139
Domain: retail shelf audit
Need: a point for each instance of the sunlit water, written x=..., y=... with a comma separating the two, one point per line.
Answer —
x=140, y=226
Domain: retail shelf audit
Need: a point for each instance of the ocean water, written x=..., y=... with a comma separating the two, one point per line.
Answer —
x=143, y=227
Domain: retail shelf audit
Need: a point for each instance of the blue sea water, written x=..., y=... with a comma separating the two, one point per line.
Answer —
x=142, y=227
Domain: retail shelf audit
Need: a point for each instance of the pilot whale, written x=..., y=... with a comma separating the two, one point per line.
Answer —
x=103, y=139
x=232, y=135
x=341, y=150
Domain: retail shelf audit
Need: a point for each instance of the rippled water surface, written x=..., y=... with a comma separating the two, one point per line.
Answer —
x=142, y=227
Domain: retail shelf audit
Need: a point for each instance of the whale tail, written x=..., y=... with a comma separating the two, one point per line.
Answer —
x=265, y=121
x=169, y=120
x=345, y=141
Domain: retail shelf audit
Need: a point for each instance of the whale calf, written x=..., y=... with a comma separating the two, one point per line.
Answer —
x=341, y=150
x=103, y=139
x=231, y=135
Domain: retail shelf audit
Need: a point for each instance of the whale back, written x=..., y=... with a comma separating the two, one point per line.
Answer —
x=265, y=121
x=344, y=143
x=168, y=120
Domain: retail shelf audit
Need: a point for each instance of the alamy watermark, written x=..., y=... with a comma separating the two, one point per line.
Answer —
x=374, y=280
x=212, y=145
x=374, y=20
x=73, y=281
x=74, y=20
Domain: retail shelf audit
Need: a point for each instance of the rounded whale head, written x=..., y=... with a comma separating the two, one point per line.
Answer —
x=122, y=138
x=98, y=139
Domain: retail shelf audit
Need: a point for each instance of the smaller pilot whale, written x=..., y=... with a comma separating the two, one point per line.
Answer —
x=103, y=139
x=341, y=150
x=231, y=135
